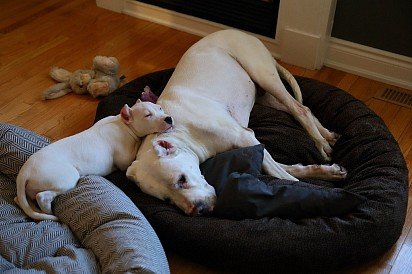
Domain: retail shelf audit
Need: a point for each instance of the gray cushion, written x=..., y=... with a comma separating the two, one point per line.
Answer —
x=100, y=229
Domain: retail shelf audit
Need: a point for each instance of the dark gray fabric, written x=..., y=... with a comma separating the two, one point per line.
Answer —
x=377, y=171
x=241, y=195
x=101, y=230
x=218, y=168
x=245, y=197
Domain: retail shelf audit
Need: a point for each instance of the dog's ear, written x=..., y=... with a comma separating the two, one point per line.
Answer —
x=137, y=102
x=148, y=95
x=126, y=114
x=164, y=148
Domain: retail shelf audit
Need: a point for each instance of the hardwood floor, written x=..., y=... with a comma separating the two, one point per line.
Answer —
x=36, y=34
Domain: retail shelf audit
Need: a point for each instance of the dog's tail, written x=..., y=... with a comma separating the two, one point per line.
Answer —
x=285, y=74
x=21, y=200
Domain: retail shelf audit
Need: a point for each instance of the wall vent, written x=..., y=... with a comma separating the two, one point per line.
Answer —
x=395, y=96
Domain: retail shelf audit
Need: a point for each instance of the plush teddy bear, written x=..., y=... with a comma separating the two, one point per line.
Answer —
x=101, y=80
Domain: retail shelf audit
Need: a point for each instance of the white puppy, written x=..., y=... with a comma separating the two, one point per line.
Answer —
x=110, y=144
x=210, y=96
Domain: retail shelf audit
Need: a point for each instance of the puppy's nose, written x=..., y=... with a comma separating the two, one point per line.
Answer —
x=169, y=120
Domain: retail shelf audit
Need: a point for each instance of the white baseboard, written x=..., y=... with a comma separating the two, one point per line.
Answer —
x=301, y=48
x=350, y=57
x=369, y=62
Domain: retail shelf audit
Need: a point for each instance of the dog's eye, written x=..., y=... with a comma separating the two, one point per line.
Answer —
x=148, y=115
x=182, y=183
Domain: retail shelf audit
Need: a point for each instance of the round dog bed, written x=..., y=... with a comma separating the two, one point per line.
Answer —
x=376, y=171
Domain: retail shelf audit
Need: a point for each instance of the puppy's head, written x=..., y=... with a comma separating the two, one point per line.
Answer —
x=170, y=172
x=146, y=118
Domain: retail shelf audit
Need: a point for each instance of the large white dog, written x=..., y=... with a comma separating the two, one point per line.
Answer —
x=210, y=96
x=110, y=144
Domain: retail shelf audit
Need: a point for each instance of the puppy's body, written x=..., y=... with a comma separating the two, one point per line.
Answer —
x=210, y=96
x=110, y=144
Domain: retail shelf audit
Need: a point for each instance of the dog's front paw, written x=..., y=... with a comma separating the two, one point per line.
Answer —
x=337, y=172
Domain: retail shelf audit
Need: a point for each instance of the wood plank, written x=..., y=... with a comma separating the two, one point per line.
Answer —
x=401, y=123
x=364, y=89
x=347, y=81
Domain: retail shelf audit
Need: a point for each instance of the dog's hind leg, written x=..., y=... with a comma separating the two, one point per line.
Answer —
x=320, y=135
x=257, y=61
x=332, y=172
x=300, y=112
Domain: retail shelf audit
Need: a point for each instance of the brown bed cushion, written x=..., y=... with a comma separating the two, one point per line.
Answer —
x=376, y=171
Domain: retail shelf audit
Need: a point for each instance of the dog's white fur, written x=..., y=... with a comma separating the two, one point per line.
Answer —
x=110, y=144
x=210, y=96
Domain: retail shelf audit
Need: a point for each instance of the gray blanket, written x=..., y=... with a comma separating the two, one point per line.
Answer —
x=101, y=230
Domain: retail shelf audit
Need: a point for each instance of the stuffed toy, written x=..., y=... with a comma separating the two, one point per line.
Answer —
x=101, y=80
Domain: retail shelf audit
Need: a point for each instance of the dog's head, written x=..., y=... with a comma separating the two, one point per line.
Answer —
x=170, y=172
x=145, y=118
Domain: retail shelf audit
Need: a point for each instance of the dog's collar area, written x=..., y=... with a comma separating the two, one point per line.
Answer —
x=132, y=132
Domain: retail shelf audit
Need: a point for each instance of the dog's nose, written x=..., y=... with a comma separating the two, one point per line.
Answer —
x=201, y=208
x=169, y=120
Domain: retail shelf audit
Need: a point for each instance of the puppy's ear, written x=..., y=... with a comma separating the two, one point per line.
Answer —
x=126, y=114
x=164, y=148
